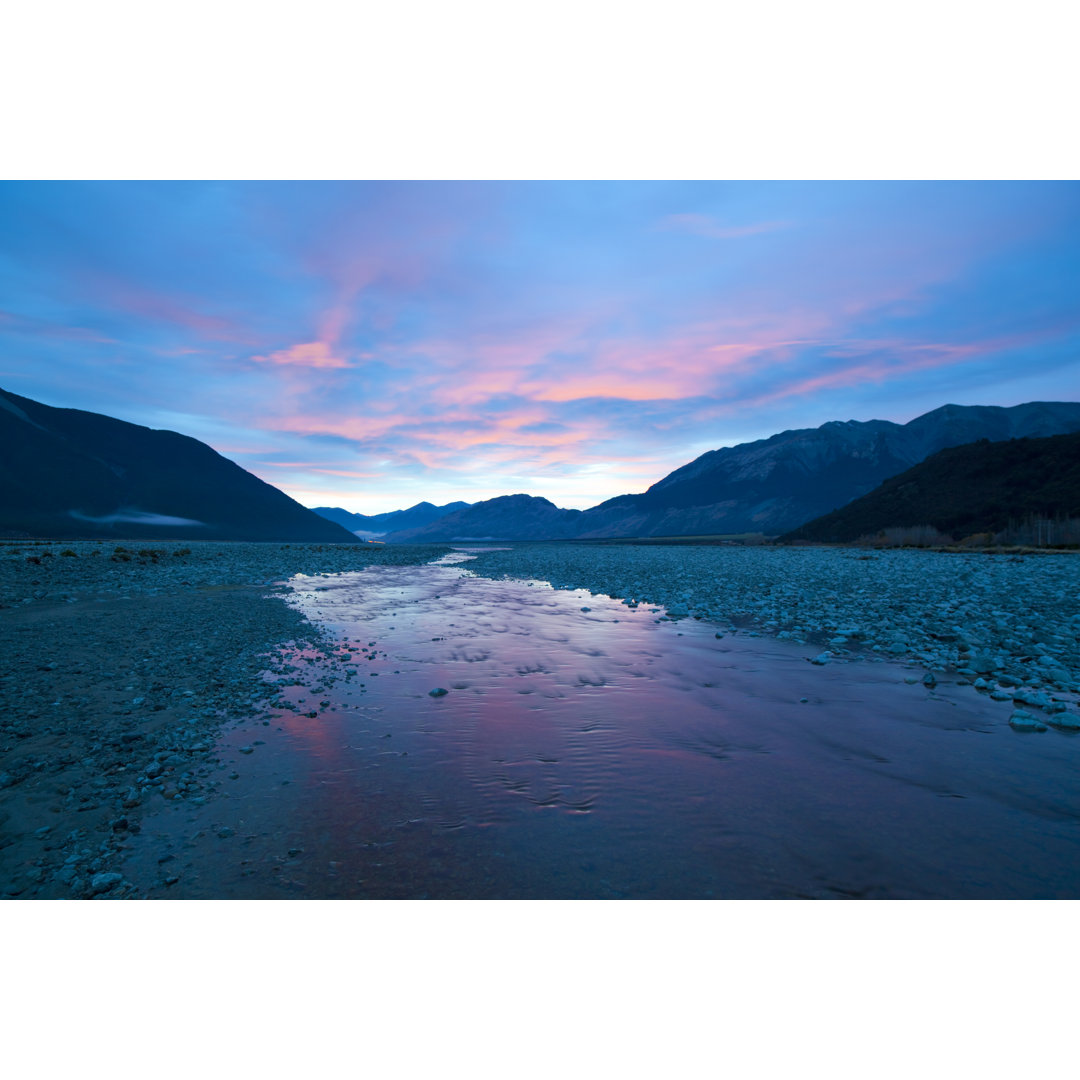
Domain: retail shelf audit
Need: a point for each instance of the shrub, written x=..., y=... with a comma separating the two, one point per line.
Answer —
x=913, y=536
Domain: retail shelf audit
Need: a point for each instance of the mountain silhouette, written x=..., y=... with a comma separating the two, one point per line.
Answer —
x=423, y=513
x=508, y=517
x=75, y=474
x=982, y=487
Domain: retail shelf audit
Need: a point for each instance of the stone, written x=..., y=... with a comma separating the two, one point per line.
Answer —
x=438, y=692
x=821, y=659
x=1031, y=697
x=929, y=680
x=104, y=881
x=1024, y=721
x=1064, y=721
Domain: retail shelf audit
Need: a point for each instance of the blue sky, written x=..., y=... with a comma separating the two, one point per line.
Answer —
x=372, y=344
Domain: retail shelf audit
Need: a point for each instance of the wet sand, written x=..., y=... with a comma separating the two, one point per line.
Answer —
x=602, y=754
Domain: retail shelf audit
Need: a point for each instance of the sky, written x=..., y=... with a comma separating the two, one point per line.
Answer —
x=373, y=344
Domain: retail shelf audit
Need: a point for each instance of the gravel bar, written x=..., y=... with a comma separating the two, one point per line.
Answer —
x=122, y=664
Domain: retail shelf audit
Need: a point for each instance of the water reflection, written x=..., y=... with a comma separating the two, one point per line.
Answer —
x=585, y=750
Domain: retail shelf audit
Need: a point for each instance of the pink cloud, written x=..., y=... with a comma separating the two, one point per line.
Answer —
x=610, y=384
x=312, y=354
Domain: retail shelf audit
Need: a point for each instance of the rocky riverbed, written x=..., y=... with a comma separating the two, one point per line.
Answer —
x=121, y=665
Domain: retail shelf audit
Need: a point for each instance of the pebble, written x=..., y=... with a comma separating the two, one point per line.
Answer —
x=1031, y=697
x=104, y=881
x=438, y=692
x=1024, y=721
x=1064, y=721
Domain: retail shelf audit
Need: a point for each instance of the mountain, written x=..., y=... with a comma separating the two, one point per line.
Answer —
x=368, y=525
x=777, y=484
x=508, y=517
x=74, y=474
x=770, y=486
x=977, y=488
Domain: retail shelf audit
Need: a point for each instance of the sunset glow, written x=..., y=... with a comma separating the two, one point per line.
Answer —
x=370, y=345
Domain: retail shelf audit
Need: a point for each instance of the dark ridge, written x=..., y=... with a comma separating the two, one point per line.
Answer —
x=982, y=487
x=65, y=467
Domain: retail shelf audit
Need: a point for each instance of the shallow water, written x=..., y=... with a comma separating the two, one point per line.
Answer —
x=602, y=754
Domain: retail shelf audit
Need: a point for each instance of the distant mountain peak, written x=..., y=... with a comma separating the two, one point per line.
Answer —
x=378, y=525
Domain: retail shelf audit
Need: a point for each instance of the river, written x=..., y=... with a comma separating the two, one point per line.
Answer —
x=584, y=749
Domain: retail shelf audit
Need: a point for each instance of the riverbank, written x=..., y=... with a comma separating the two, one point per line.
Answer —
x=122, y=664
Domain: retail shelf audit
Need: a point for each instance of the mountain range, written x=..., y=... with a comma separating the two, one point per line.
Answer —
x=70, y=473
x=769, y=486
x=74, y=474
x=369, y=526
